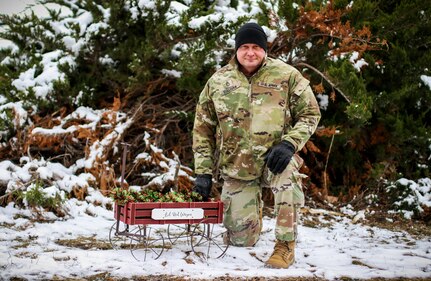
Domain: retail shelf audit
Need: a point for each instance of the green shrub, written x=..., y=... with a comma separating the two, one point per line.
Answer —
x=411, y=198
x=38, y=197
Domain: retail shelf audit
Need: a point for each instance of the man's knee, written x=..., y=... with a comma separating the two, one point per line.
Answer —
x=244, y=238
x=242, y=204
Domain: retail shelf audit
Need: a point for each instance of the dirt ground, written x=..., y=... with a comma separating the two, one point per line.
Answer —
x=106, y=276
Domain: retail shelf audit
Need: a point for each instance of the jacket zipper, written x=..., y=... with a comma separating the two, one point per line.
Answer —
x=251, y=107
x=251, y=142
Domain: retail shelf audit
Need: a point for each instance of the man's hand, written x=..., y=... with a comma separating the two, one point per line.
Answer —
x=203, y=184
x=279, y=156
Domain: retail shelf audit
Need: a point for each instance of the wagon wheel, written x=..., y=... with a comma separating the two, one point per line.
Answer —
x=146, y=243
x=207, y=241
x=119, y=238
x=177, y=231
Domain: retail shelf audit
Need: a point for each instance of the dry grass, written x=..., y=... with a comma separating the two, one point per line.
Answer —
x=107, y=277
x=84, y=243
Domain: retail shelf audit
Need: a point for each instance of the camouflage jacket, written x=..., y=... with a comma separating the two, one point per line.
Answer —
x=244, y=117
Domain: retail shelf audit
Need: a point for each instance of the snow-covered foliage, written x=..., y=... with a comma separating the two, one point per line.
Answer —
x=78, y=178
x=410, y=197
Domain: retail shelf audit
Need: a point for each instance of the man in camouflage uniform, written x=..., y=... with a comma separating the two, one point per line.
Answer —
x=258, y=112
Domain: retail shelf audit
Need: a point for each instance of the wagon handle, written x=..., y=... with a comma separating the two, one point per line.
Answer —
x=123, y=162
x=177, y=169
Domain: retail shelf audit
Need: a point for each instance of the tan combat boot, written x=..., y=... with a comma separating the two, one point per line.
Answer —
x=283, y=255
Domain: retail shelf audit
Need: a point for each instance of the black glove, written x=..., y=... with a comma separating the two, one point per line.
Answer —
x=279, y=156
x=203, y=184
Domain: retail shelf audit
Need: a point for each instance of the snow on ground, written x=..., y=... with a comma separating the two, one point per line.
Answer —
x=32, y=250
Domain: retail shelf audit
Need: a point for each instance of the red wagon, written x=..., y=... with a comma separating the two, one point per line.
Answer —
x=198, y=222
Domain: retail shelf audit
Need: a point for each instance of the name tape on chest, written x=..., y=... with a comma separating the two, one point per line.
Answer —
x=269, y=85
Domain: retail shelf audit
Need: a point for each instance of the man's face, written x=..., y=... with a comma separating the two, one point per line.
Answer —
x=250, y=56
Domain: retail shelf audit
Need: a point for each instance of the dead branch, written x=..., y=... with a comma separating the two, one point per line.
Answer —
x=325, y=180
x=326, y=79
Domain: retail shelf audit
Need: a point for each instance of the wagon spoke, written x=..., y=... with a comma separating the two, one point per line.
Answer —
x=146, y=243
x=118, y=235
x=207, y=244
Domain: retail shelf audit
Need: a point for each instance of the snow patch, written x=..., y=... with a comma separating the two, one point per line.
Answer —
x=426, y=80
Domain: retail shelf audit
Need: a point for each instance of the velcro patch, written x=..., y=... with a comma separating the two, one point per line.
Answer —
x=269, y=85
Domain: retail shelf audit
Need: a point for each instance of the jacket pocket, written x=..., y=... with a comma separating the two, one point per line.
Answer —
x=287, y=178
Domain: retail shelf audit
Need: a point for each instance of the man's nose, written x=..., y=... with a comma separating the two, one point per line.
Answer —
x=250, y=52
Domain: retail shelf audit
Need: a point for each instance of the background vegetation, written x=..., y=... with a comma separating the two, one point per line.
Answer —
x=367, y=61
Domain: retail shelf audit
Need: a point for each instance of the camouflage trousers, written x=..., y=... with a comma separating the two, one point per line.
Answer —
x=243, y=204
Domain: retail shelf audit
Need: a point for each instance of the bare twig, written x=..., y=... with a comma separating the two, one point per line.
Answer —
x=21, y=188
x=325, y=183
x=326, y=79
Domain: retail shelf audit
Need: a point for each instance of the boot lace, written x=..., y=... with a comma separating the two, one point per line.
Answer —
x=282, y=249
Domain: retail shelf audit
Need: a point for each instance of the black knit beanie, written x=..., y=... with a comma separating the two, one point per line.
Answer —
x=251, y=33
